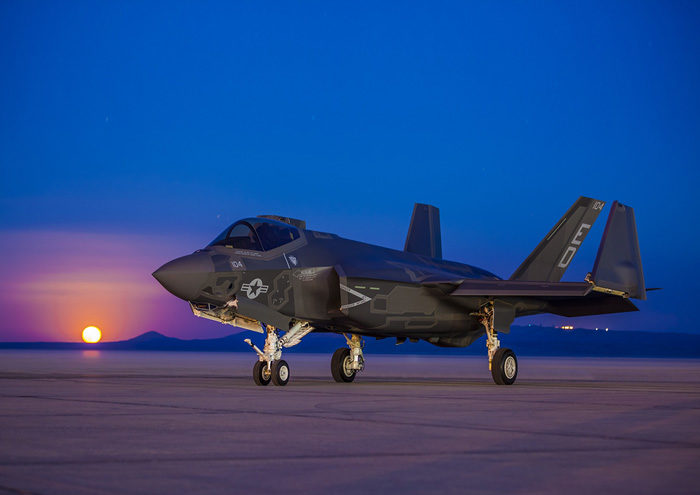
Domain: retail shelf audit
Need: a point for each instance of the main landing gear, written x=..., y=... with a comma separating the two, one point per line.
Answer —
x=346, y=363
x=270, y=366
x=502, y=361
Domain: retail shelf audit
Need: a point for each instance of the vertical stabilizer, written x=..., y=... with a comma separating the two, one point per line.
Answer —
x=618, y=266
x=424, y=236
x=552, y=256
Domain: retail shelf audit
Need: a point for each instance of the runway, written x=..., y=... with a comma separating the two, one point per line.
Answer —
x=154, y=422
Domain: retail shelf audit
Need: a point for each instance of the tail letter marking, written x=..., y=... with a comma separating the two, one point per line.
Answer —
x=575, y=242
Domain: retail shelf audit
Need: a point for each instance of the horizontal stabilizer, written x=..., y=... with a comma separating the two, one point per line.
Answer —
x=552, y=256
x=596, y=303
x=618, y=265
x=504, y=288
x=424, y=232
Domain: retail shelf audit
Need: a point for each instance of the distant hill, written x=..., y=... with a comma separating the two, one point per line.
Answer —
x=525, y=341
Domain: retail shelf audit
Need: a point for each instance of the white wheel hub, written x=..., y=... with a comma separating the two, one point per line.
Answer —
x=284, y=373
x=347, y=366
x=509, y=367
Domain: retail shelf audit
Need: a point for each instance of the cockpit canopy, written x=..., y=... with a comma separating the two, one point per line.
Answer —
x=256, y=234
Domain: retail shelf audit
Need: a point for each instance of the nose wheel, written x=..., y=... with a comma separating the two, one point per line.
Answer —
x=280, y=372
x=270, y=366
x=261, y=373
x=277, y=373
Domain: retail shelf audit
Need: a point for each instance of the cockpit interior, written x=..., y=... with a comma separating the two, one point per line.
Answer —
x=256, y=234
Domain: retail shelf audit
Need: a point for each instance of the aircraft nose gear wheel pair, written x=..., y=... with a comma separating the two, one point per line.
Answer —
x=277, y=373
x=270, y=367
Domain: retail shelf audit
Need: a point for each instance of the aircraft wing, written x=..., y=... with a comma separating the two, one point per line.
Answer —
x=510, y=288
x=561, y=298
x=517, y=288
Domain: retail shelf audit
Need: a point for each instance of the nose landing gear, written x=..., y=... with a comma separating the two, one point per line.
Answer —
x=270, y=366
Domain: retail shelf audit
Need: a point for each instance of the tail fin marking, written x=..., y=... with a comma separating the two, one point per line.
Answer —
x=552, y=256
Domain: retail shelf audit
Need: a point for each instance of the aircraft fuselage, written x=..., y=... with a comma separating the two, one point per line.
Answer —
x=335, y=284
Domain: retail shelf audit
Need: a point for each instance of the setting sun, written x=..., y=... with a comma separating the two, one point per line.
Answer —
x=92, y=335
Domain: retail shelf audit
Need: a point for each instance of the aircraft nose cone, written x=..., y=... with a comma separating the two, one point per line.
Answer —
x=185, y=277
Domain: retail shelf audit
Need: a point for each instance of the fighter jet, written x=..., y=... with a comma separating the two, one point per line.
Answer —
x=272, y=275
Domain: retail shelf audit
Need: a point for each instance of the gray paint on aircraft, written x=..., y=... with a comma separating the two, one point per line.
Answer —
x=341, y=285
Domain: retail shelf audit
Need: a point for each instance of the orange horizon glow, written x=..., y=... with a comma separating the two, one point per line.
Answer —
x=83, y=279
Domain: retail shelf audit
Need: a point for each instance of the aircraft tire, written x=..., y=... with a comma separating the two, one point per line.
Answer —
x=260, y=375
x=504, y=367
x=280, y=372
x=339, y=369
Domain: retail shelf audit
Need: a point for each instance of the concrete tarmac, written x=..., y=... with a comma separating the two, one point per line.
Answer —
x=114, y=422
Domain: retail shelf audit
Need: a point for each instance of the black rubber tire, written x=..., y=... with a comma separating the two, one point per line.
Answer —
x=337, y=367
x=504, y=367
x=260, y=376
x=496, y=366
x=280, y=372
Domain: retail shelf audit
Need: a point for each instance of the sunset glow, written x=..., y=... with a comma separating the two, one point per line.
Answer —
x=86, y=278
x=92, y=335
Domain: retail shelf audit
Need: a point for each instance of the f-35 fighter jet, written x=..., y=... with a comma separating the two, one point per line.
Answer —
x=272, y=275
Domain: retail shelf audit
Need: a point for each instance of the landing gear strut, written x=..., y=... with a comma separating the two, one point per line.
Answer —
x=502, y=361
x=270, y=366
x=346, y=363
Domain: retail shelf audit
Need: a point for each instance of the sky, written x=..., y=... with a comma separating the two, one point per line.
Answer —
x=133, y=132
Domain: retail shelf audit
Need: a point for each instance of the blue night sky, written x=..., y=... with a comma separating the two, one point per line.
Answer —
x=133, y=132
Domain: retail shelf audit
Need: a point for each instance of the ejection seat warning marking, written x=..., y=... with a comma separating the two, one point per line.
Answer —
x=249, y=253
x=289, y=258
x=306, y=274
x=363, y=298
x=254, y=288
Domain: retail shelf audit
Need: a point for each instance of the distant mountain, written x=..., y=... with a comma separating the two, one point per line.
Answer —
x=525, y=341
x=150, y=337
